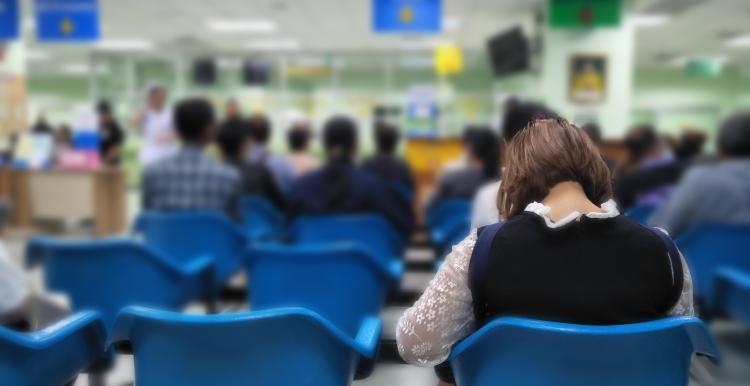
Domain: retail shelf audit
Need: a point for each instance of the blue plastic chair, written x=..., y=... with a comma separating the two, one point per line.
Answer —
x=54, y=355
x=262, y=220
x=446, y=210
x=522, y=352
x=709, y=247
x=282, y=347
x=370, y=231
x=450, y=233
x=343, y=283
x=733, y=293
x=108, y=275
x=183, y=236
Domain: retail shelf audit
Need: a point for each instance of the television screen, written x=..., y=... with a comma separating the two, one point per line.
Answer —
x=509, y=52
x=255, y=72
x=204, y=72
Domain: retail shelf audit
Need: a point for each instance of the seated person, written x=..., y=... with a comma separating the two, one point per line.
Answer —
x=384, y=163
x=714, y=193
x=298, y=139
x=595, y=133
x=341, y=187
x=482, y=166
x=518, y=115
x=649, y=172
x=558, y=257
x=190, y=180
x=277, y=164
x=20, y=308
x=234, y=142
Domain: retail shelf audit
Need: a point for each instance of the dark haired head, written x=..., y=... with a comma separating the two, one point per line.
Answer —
x=386, y=138
x=485, y=147
x=298, y=137
x=734, y=135
x=104, y=107
x=232, y=139
x=194, y=119
x=519, y=115
x=640, y=140
x=340, y=137
x=594, y=132
x=260, y=128
x=690, y=144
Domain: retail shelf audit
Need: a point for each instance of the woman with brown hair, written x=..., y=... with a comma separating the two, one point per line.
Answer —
x=564, y=253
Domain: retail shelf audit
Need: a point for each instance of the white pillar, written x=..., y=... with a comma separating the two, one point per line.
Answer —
x=13, y=94
x=616, y=45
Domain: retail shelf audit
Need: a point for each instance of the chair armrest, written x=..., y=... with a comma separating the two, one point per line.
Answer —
x=88, y=324
x=368, y=336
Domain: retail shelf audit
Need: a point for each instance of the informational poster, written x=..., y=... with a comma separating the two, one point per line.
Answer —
x=588, y=79
x=67, y=20
x=422, y=111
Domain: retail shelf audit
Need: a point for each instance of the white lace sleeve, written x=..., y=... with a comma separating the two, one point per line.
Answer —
x=443, y=315
x=685, y=306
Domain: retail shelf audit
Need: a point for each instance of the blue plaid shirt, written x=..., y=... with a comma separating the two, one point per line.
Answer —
x=191, y=181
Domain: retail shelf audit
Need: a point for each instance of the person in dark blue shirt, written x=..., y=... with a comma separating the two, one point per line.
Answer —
x=342, y=187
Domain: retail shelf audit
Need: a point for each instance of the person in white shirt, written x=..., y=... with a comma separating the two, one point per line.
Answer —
x=155, y=121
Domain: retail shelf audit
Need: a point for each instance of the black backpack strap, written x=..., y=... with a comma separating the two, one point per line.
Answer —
x=481, y=254
x=675, y=262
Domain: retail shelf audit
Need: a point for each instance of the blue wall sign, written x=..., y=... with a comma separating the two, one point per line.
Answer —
x=407, y=16
x=67, y=20
x=9, y=20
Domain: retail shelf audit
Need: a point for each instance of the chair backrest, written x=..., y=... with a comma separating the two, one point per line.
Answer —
x=450, y=233
x=54, y=355
x=448, y=209
x=262, y=219
x=640, y=213
x=370, y=231
x=271, y=348
x=709, y=247
x=522, y=352
x=340, y=282
x=108, y=275
x=185, y=236
x=732, y=293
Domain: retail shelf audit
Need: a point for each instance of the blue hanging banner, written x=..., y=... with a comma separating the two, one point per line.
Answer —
x=67, y=20
x=407, y=16
x=9, y=20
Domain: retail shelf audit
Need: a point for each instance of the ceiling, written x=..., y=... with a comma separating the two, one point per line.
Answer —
x=697, y=27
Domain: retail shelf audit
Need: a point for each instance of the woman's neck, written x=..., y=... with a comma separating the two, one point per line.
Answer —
x=566, y=198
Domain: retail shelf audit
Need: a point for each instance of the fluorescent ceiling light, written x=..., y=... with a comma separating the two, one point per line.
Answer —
x=740, y=41
x=650, y=20
x=37, y=56
x=420, y=44
x=125, y=45
x=81, y=69
x=241, y=26
x=452, y=23
x=310, y=61
x=274, y=45
x=416, y=62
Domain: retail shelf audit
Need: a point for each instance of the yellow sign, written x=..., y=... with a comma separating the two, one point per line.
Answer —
x=67, y=27
x=407, y=15
x=449, y=60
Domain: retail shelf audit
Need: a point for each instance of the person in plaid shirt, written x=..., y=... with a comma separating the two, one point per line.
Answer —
x=190, y=180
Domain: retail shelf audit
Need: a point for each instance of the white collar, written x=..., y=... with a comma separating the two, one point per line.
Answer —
x=609, y=210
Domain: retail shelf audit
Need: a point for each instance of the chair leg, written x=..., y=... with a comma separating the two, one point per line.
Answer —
x=97, y=379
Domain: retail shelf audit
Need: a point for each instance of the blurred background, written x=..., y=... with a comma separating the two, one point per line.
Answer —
x=431, y=69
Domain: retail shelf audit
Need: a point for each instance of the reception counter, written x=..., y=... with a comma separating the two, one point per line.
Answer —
x=67, y=196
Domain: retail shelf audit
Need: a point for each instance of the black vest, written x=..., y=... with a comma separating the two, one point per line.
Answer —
x=592, y=271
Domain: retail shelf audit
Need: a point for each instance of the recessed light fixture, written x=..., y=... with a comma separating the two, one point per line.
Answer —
x=420, y=44
x=37, y=55
x=451, y=23
x=650, y=20
x=739, y=41
x=81, y=69
x=125, y=45
x=241, y=26
x=274, y=45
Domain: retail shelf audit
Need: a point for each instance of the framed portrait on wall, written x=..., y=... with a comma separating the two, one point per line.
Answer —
x=588, y=79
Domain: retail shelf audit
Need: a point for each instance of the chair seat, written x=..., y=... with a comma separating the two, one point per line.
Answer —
x=523, y=352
